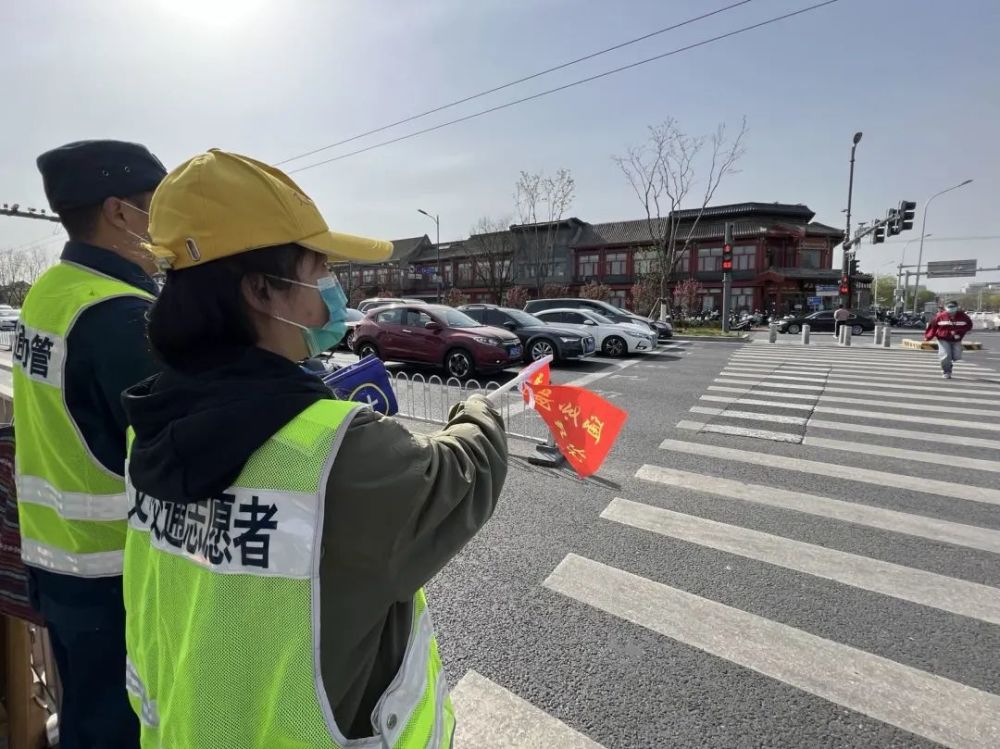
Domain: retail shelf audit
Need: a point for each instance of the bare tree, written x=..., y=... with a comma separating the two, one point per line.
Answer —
x=19, y=269
x=673, y=171
x=541, y=203
x=492, y=250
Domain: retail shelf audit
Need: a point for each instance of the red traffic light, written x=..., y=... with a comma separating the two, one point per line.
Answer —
x=845, y=289
x=727, y=263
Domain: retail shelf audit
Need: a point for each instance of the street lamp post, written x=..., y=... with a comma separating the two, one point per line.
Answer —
x=437, y=227
x=923, y=227
x=847, y=237
x=899, y=276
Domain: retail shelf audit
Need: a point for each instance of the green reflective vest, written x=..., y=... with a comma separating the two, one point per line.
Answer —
x=71, y=508
x=222, y=604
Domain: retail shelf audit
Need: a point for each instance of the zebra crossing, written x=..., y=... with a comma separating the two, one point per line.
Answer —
x=870, y=468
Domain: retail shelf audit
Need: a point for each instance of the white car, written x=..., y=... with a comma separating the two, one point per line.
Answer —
x=613, y=339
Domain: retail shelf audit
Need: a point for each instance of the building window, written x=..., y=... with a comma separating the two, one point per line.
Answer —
x=745, y=257
x=464, y=271
x=811, y=259
x=617, y=298
x=742, y=300
x=615, y=262
x=587, y=264
x=709, y=259
x=368, y=276
x=646, y=261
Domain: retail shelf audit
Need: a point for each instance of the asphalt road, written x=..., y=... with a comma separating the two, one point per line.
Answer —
x=773, y=578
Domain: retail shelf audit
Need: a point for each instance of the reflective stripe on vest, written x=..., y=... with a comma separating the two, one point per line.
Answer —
x=225, y=591
x=71, y=508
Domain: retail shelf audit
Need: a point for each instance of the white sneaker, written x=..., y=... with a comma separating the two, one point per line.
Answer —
x=947, y=375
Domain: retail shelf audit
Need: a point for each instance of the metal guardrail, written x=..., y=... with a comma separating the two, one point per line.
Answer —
x=7, y=340
x=430, y=399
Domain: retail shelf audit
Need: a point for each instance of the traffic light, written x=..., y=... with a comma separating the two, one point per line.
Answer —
x=727, y=248
x=878, y=236
x=852, y=267
x=845, y=285
x=892, y=224
x=907, y=209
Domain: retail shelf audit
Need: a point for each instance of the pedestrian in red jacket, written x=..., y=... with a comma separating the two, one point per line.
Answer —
x=949, y=328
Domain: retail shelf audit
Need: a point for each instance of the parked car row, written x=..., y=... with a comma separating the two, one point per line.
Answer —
x=823, y=322
x=486, y=338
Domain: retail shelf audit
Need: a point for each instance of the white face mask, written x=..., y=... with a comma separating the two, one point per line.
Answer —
x=143, y=239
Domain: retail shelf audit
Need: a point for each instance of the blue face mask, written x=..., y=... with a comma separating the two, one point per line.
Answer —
x=333, y=331
x=951, y=310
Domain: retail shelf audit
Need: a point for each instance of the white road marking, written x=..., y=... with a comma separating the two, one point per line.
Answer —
x=884, y=416
x=915, y=483
x=907, y=434
x=922, y=703
x=887, y=399
x=761, y=434
x=875, y=368
x=945, y=531
x=893, y=384
x=487, y=716
x=933, y=458
x=909, y=584
x=762, y=390
x=733, y=414
x=774, y=382
x=845, y=426
x=756, y=402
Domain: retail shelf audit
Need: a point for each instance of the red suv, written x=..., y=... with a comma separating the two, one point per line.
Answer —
x=435, y=334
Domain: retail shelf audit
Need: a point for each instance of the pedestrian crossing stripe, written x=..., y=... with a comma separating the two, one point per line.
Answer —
x=737, y=431
x=922, y=703
x=867, y=382
x=916, y=586
x=885, y=451
x=867, y=414
x=874, y=367
x=818, y=468
x=887, y=401
x=909, y=524
x=487, y=716
x=773, y=383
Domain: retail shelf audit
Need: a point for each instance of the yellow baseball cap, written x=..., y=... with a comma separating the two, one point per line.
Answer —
x=219, y=204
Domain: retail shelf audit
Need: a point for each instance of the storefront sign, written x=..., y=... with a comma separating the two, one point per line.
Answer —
x=824, y=290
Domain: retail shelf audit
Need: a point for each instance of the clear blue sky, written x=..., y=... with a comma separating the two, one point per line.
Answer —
x=272, y=79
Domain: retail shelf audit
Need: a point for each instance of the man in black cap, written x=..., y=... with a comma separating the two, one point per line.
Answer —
x=80, y=342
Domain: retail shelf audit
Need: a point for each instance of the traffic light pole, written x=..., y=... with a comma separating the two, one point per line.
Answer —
x=727, y=277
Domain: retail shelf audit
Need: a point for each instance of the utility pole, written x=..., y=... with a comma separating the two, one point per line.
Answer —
x=437, y=226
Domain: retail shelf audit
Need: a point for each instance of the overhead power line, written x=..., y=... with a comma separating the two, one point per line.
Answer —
x=526, y=78
x=566, y=86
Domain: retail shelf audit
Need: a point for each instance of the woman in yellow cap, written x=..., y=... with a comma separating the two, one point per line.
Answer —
x=278, y=538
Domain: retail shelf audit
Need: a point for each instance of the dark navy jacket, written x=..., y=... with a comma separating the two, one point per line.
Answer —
x=107, y=352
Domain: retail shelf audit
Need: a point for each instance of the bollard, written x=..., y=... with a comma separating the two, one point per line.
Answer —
x=805, y=335
x=847, y=335
x=877, y=340
x=772, y=334
x=886, y=337
x=840, y=334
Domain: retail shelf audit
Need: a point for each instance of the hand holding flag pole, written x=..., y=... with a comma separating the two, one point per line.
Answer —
x=523, y=376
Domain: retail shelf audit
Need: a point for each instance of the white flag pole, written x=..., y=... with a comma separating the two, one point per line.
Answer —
x=523, y=376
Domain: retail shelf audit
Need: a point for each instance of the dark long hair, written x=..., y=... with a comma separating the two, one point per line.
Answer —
x=202, y=309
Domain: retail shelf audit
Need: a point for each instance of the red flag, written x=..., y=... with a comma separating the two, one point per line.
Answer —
x=583, y=424
x=541, y=377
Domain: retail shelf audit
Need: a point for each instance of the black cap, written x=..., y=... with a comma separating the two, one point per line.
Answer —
x=87, y=172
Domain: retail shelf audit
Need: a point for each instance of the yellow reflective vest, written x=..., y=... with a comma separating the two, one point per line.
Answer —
x=71, y=508
x=222, y=603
